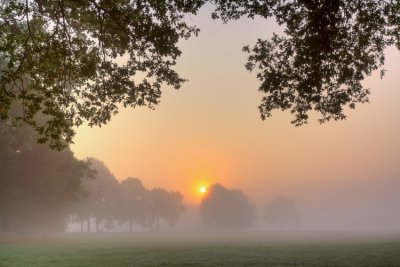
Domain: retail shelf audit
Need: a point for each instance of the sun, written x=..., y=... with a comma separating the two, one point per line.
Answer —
x=200, y=188
x=203, y=189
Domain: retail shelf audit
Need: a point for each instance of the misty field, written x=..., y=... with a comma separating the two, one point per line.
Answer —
x=189, y=250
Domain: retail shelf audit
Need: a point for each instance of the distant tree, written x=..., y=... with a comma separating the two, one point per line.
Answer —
x=174, y=208
x=103, y=197
x=64, y=58
x=225, y=208
x=135, y=206
x=281, y=212
x=36, y=184
x=164, y=205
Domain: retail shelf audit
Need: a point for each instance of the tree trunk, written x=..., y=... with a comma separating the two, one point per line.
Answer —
x=97, y=225
x=82, y=221
x=88, y=225
x=130, y=225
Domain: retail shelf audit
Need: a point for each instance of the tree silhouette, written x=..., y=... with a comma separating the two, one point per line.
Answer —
x=223, y=208
x=327, y=50
x=37, y=185
x=103, y=197
x=60, y=58
x=164, y=205
x=173, y=208
x=135, y=202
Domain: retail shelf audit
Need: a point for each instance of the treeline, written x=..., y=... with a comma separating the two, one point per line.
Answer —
x=110, y=202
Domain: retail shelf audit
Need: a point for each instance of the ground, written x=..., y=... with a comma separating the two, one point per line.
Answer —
x=209, y=249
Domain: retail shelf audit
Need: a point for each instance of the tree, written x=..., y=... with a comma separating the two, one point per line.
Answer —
x=64, y=58
x=36, y=184
x=281, y=212
x=328, y=48
x=103, y=197
x=75, y=61
x=165, y=205
x=174, y=208
x=224, y=208
x=134, y=202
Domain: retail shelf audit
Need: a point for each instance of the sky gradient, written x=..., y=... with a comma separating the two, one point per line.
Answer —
x=210, y=130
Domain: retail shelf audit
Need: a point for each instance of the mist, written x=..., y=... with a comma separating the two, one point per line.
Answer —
x=55, y=208
x=88, y=199
x=361, y=207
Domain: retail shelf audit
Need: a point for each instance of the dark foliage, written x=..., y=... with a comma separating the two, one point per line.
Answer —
x=77, y=61
x=328, y=48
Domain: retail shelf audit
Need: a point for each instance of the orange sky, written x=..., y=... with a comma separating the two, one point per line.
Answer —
x=210, y=131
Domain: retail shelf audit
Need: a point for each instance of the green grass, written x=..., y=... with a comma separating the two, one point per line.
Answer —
x=142, y=250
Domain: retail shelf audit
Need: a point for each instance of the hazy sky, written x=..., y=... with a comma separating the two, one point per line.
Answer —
x=210, y=130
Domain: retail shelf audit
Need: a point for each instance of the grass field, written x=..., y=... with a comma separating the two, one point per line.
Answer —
x=205, y=250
